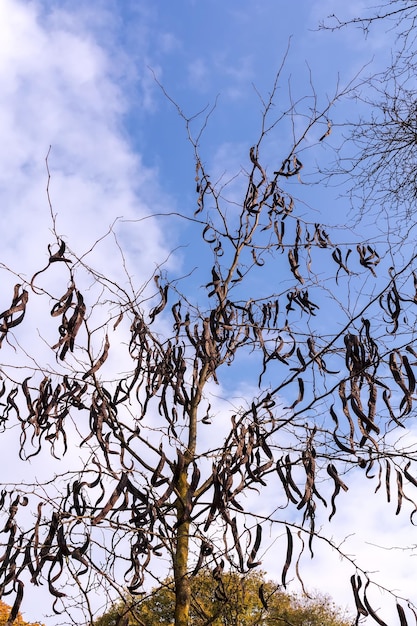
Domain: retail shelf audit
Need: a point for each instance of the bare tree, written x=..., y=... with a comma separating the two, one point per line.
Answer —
x=378, y=154
x=157, y=475
x=399, y=16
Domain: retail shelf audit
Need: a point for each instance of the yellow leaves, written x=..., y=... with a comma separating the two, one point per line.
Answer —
x=4, y=615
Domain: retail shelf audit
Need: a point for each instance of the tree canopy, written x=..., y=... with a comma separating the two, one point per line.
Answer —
x=240, y=601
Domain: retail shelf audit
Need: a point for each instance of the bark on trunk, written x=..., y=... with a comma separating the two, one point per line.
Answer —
x=181, y=575
x=182, y=581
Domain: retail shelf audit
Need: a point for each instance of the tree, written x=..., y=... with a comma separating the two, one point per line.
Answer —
x=378, y=154
x=155, y=469
x=238, y=605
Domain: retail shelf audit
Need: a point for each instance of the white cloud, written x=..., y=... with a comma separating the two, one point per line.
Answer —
x=58, y=90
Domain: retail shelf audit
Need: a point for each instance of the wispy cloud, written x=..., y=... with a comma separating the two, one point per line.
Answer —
x=66, y=94
x=59, y=90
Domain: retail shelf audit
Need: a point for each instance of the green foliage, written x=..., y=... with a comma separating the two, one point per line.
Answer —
x=232, y=601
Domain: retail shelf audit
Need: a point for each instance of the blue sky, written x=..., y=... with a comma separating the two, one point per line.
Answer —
x=79, y=76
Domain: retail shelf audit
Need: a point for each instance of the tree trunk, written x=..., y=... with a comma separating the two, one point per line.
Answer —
x=181, y=576
x=181, y=549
